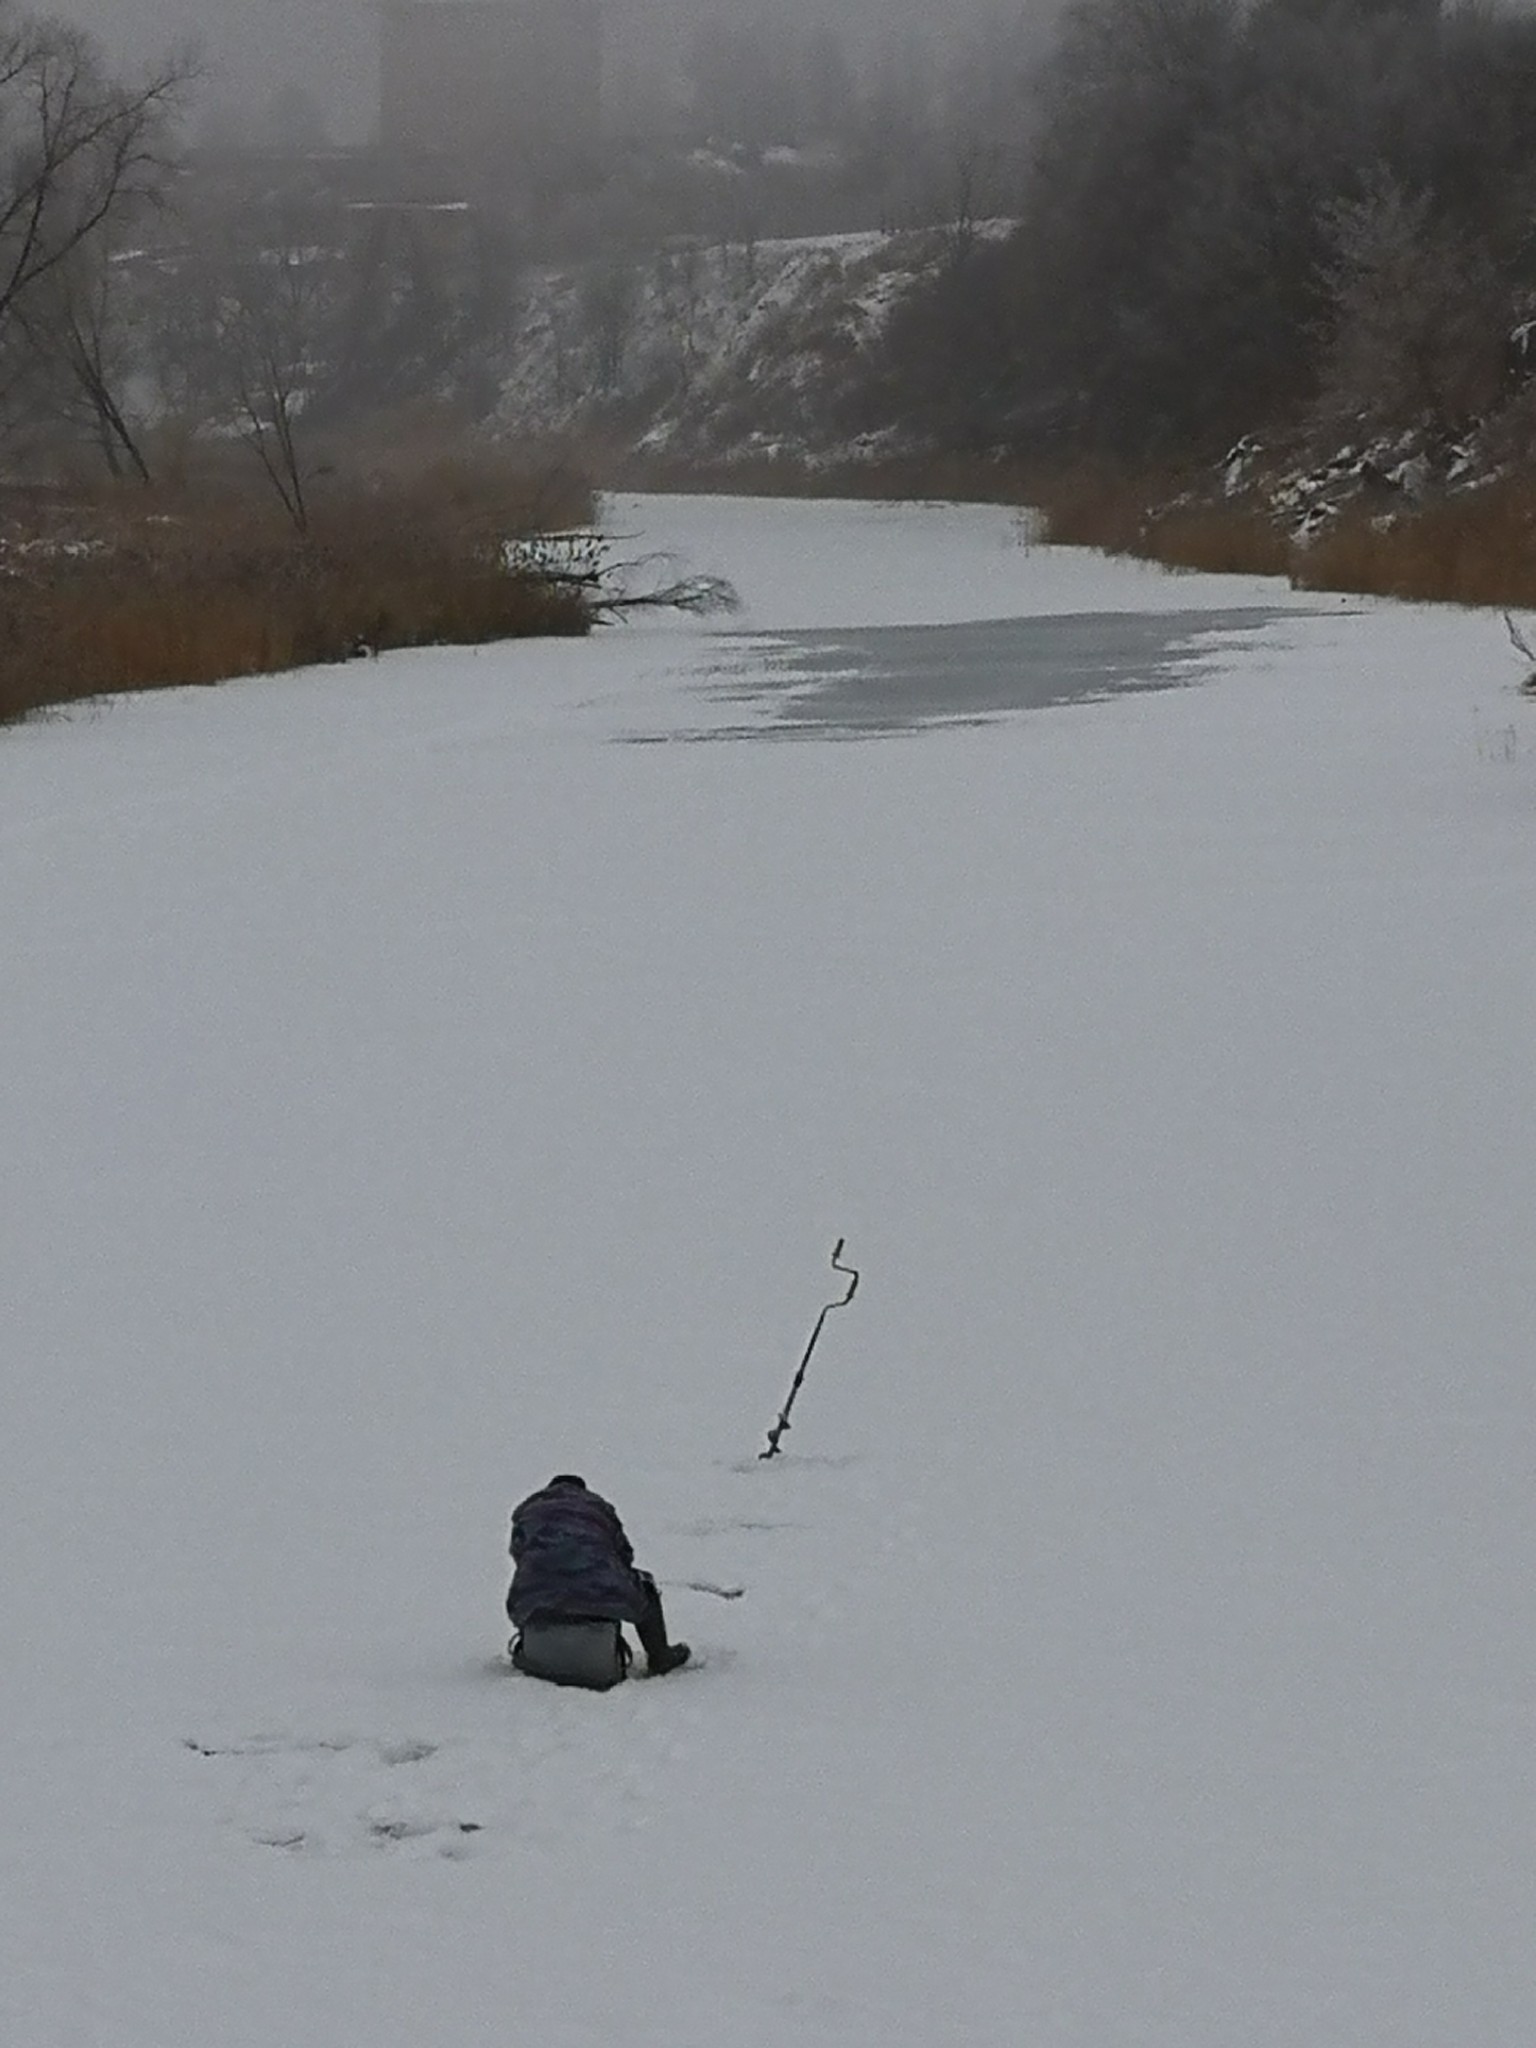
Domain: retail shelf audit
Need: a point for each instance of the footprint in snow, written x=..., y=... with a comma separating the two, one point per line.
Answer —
x=561, y=1762
x=341, y=1795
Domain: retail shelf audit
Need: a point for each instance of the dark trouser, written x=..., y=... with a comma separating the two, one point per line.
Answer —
x=651, y=1627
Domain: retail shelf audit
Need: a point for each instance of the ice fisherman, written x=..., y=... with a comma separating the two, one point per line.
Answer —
x=574, y=1584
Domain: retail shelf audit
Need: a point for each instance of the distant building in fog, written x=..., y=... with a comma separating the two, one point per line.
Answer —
x=491, y=83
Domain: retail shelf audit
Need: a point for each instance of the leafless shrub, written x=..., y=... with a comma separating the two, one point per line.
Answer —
x=1519, y=640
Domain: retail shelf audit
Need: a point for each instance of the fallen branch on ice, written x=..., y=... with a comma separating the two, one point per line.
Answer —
x=580, y=561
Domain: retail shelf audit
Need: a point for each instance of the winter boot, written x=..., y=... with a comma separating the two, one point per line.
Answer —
x=660, y=1655
x=672, y=1658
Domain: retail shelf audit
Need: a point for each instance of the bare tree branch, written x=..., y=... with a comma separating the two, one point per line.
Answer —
x=83, y=148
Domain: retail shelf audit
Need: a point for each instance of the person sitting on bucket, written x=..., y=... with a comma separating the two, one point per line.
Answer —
x=574, y=1584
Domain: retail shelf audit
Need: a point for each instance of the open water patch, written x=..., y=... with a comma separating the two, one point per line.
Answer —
x=870, y=682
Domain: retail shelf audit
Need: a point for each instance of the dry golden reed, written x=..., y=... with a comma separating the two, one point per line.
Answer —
x=1473, y=547
x=152, y=589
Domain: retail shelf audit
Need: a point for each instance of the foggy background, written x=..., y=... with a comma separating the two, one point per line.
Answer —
x=251, y=47
x=254, y=48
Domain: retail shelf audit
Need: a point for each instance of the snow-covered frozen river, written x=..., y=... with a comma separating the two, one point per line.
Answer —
x=413, y=1088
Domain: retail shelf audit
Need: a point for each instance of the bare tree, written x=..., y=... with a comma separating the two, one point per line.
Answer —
x=78, y=349
x=242, y=341
x=81, y=148
x=609, y=298
x=681, y=288
x=265, y=336
x=973, y=173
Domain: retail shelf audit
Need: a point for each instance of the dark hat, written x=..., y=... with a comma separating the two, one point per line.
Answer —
x=569, y=1479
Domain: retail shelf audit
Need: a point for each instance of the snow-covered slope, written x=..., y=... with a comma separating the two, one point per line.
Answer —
x=716, y=352
x=413, y=1088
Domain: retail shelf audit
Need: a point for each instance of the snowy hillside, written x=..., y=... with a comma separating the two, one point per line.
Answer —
x=430, y=1074
x=715, y=352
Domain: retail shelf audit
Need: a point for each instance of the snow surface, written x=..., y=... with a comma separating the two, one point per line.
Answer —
x=409, y=1092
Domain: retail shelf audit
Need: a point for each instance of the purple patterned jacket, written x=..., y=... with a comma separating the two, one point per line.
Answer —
x=572, y=1557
